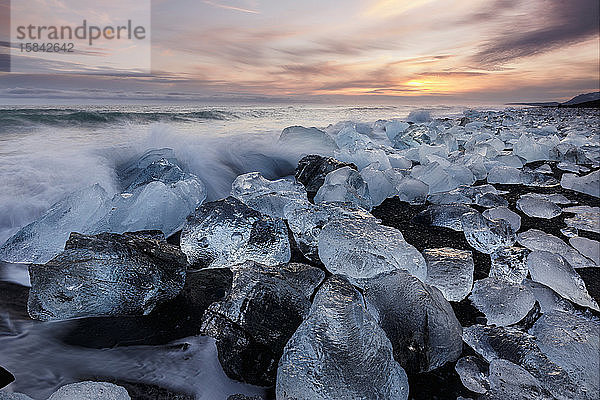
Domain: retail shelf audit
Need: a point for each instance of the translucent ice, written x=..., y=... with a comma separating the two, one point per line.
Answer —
x=254, y=322
x=156, y=205
x=106, y=274
x=227, y=231
x=538, y=208
x=505, y=175
x=339, y=352
x=535, y=239
x=393, y=128
x=588, y=184
x=412, y=190
x=265, y=196
x=447, y=216
x=506, y=214
x=90, y=391
x=503, y=302
x=586, y=218
x=361, y=248
x=588, y=247
x=306, y=221
x=363, y=156
x=41, y=240
x=300, y=136
x=416, y=318
x=345, y=185
x=572, y=342
x=382, y=183
x=520, y=348
x=509, y=263
x=547, y=298
x=442, y=179
x=555, y=272
x=510, y=381
x=451, y=271
x=473, y=373
x=485, y=235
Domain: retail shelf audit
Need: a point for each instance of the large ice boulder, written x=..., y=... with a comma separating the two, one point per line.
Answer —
x=254, y=322
x=417, y=319
x=339, y=352
x=225, y=232
x=362, y=248
x=106, y=274
x=588, y=184
x=44, y=238
x=503, y=302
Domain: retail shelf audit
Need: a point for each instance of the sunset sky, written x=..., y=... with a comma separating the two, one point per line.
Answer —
x=440, y=51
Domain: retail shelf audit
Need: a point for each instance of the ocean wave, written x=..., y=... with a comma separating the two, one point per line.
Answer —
x=66, y=117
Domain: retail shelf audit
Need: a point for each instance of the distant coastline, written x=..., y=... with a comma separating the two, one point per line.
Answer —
x=587, y=100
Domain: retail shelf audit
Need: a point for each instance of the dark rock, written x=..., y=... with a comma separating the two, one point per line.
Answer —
x=312, y=169
x=174, y=319
x=13, y=300
x=591, y=277
x=5, y=377
x=106, y=274
x=417, y=319
x=400, y=215
x=254, y=322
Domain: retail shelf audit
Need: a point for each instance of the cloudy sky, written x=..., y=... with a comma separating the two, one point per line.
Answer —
x=442, y=51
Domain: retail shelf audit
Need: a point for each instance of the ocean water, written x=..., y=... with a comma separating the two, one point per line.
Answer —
x=48, y=152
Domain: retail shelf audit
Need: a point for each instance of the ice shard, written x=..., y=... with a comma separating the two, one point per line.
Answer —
x=345, y=185
x=503, y=303
x=451, y=271
x=339, y=352
x=485, y=235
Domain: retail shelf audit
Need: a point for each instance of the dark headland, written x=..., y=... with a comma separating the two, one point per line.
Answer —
x=587, y=100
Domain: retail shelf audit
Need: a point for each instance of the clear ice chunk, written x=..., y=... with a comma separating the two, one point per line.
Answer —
x=547, y=298
x=473, y=373
x=155, y=205
x=259, y=315
x=417, y=319
x=302, y=137
x=43, y=239
x=441, y=178
x=339, y=352
x=382, y=183
x=363, y=156
x=446, y=216
x=511, y=381
x=91, y=391
x=412, y=191
x=588, y=184
x=520, y=348
x=451, y=271
x=572, y=341
x=265, y=196
x=106, y=274
x=345, y=185
x=509, y=263
x=587, y=247
x=586, y=218
x=227, y=231
x=485, y=235
x=306, y=220
x=538, y=208
x=555, y=272
x=535, y=239
x=506, y=214
x=503, y=302
x=361, y=248
x=505, y=175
